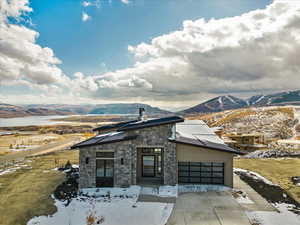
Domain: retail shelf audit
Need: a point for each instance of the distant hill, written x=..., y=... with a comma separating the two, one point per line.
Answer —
x=228, y=102
x=126, y=109
x=9, y=111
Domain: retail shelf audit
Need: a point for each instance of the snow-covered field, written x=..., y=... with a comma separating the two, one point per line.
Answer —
x=110, y=206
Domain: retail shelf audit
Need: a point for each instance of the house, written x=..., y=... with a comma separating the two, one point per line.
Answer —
x=165, y=151
x=246, y=142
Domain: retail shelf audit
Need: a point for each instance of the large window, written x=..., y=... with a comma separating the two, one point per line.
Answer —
x=104, y=168
x=201, y=172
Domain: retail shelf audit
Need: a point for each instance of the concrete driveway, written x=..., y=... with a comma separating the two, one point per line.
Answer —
x=207, y=208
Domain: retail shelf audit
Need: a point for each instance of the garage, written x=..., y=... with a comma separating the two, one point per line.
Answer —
x=201, y=172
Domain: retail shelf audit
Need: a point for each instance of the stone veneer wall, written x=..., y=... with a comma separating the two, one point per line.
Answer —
x=125, y=175
x=158, y=136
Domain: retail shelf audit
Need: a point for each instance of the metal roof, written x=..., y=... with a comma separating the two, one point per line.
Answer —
x=150, y=123
x=114, y=125
x=205, y=144
x=105, y=139
x=197, y=129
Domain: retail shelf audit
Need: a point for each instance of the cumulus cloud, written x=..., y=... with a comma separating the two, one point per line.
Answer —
x=85, y=17
x=256, y=51
x=21, y=59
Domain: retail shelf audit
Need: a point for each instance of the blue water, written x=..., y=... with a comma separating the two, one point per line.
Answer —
x=30, y=121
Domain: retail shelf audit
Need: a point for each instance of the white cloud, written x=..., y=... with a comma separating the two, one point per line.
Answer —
x=257, y=51
x=125, y=1
x=85, y=17
x=86, y=4
x=95, y=3
x=21, y=59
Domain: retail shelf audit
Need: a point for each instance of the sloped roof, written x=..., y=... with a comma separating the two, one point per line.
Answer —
x=205, y=144
x=114, y=125
x=151, y=122
x=105, y=139
x=138, y=124
x=197, y=129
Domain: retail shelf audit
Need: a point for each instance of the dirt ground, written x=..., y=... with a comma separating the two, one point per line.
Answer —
x=280, y=171
x=26, y=192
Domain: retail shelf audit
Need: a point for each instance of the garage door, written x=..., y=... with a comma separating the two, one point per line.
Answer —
x=201, y=172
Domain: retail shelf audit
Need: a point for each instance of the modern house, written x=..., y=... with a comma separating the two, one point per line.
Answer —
x=246, y=142
x=164, y=151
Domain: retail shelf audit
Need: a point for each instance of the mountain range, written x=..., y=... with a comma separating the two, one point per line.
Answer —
x=227, y=102
x=220, y=103
x=10, y=111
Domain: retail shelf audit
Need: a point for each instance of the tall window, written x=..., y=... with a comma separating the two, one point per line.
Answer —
x=104, y=164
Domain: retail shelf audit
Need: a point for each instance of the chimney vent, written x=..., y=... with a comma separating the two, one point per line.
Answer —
x=141, y=113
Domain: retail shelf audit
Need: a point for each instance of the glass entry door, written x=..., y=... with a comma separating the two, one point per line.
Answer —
x=104, y=172
x=148, y=164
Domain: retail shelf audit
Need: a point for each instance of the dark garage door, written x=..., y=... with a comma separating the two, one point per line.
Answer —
x=201, y=172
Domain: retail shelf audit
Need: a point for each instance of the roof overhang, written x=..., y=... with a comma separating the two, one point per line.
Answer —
x=206, y=144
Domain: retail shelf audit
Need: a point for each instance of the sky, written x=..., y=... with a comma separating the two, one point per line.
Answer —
x=167, y=53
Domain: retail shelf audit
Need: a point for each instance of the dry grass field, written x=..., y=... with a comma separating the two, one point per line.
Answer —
x=279, y=171
x=26, y=192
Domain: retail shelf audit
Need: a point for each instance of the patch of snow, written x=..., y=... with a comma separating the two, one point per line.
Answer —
x=131, y=192
x=14, y=169
x=241, y=197
x=168, y=191
x=124, y=211
x=230, y=99
x=259, y=99
x=255, y=176
x=220, y=102
x=149, y=191
x=201, y=188
x=284, y=216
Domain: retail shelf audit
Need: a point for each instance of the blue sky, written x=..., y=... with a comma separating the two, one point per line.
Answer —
x=100, y=44
x=167, y=53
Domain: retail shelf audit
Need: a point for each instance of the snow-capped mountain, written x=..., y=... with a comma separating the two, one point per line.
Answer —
x=227, y=102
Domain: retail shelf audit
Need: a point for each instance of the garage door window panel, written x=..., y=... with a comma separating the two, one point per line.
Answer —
x=201, y=172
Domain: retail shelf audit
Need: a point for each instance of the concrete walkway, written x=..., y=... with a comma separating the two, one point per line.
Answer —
x=259, y=203
x=207, y=208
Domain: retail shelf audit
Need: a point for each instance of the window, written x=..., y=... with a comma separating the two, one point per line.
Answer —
x=104, y=168
x=201, y=172
x=104, y=154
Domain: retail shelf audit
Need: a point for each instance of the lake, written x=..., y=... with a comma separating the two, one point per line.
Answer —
x=30, y=121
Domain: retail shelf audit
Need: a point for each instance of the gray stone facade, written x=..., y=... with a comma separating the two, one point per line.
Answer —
x=126, y=174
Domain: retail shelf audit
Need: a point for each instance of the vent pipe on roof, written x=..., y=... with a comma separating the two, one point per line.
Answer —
x=141, y=113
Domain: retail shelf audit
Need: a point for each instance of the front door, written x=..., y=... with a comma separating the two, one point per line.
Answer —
x=148, y=165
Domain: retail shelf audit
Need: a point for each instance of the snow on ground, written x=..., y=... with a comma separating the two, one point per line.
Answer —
x=168, y=191
x=162, y=191
x=284, y=216
x=108, y=206
x=254, y=176
x=201, y=188
x=14, y=168
x=241, y=197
